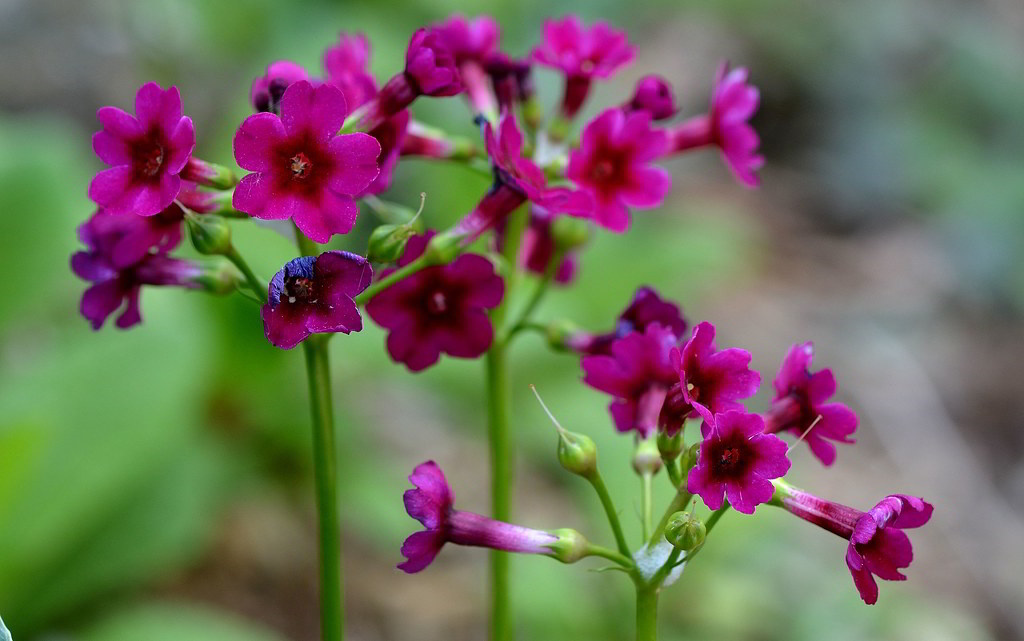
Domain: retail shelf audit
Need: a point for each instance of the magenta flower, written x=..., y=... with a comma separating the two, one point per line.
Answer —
x=391, y=135
x=303, y=169
x=439, y=309
x=799, y=405
x=432, y=504
x=710, y=381
x=878, y=545
x=347, y=64
x=472, y=42
x=726, y=126
x=612, y=164
x=313, y=295
x=146, y=153
x=737, y=460
x=582, y=54
x=510, y=79
x=125, y=252
x=267, y=90
x=516, y=180
x=638, y=374
x=653, y=94
x=645, y=309
x=537, y=248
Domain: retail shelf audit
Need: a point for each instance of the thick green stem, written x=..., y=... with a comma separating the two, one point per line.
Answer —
x=501, y=485
x=257, y=286
x=609, y=510
x=538, y=294
x=326, y=478
x=647, y=612
x=622, y=559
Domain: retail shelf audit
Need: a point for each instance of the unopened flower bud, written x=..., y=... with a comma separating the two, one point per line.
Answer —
x=685, y=531
x=646, y=457
x=569, y=232
x=443, y=248
x=209, y=174
x=387, y=242
x=571, y=546
x=577, y=453
x=689, y=458
x=210, y=234
x=219, y=277
x=670, y=446
x=562, y=335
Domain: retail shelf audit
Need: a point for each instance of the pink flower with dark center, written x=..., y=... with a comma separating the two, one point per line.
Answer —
x=800, y=406
x=516, y=180
x=737, y=460
x=638, y=374
x=726, y=126
x=347, y=64
x=267, y=90
x=303, y=169
x=582, y=54
x=432, y=504
x=146, y=153
x=653, y=94
x=710, y=380
x=439, y=309
x=118, y=266
x=878, y=545
x=313, y=295
x=613, y=165
x=646, y=308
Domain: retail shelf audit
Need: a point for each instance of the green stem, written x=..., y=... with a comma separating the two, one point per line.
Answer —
x=666, y=567
x=392, y=278
x=646, y=480
x=332, y=614
x=255, y=284
x=501, y=484
x=713, y=519
x=622, y=559
x=306, y=246
x=646, y=612
x=678, y=504
x=609, y=509
x=538, y=294
x=674, y=475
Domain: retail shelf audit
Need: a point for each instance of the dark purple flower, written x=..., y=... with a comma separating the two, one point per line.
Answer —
x=313, y=295
x=125, y=252
x=878, y=546
x=638, y=373
x=303, y=169
x=146, y=153
x=511, y=80
x=726, y=126
x=800, y=406
x=653, y=94
x=737, y=460
x=581, y=54
x=516, y=180
x=613, y=165
x=710, y=381
x=432, y=504
x=645, y=309
x=347, y=64
x=267, y=90
x=439, y=309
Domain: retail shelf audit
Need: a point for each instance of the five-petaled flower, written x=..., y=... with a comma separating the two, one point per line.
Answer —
x=613, y=165
x=878, y=545
x=432, y=504
x=726, y=126
x=800, y=406
x=441, y=308
x=303, y=169
x=146, y=152
x=737, y=460
x=313, y=295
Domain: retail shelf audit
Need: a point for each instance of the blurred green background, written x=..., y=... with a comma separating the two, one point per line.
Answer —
x=155, y=483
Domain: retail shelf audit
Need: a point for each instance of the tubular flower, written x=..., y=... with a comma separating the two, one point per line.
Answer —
x=118, y=265
x=313, y=295
x=432, y=504
x=878, y=545
x=511, y=80
x=612, y=164
x=146, y=153
x=799, y=405
x=516, y=180
x=304, y=170
x=267, y=90
x=645, y=309
x=653, y=94
x=347, y=64
x=438, y=309
x=638, y=373
x=737, y=460
x=538, y=247
x=726, y=126
x=472, y=42
x=582, y=54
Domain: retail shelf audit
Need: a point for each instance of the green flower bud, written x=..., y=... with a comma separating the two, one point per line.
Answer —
x=220, y=277
x=670, y=446
x=646, y=457
x=443, y=248
x=210, y=234
x=577, y=453
x=387, y=242
x=560, y=334
x=569, y=232
x=689, y=458
x=570, y=547
x=685, y=532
